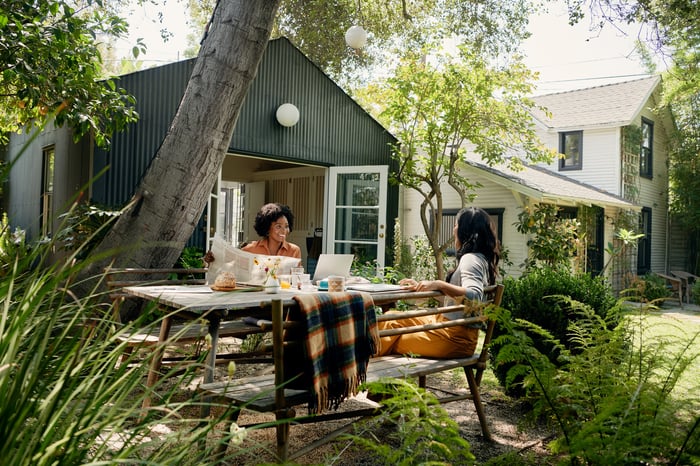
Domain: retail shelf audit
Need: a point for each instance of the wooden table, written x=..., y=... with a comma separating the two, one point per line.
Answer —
x=195, y=302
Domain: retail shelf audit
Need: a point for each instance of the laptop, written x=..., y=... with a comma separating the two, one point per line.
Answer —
x=375, y=287
x=332, y=264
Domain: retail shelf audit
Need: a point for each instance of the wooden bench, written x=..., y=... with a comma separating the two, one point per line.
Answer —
x=267, y=393
x=674, y=286
x=687, y=280
x=185, y=333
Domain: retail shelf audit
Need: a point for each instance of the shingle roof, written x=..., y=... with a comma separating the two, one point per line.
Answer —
x=547, y=186
x=595, y=107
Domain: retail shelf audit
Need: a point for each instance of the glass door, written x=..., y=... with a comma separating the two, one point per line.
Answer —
x=357, y=212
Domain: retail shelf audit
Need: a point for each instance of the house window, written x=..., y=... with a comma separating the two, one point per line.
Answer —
x=644, y=244
x=567, y=213
x=449, y=216
x=45, y=218
x=232, y=212
x=571, y=145
x=646, y=156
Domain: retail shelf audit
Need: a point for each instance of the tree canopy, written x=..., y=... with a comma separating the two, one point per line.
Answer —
x=439, y=105
x=492, y=27
x=50, y=64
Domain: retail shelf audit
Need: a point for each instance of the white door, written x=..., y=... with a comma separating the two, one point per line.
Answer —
x=356, y=221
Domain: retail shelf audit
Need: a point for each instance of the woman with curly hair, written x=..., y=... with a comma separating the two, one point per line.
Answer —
x=273, y=223
x=478, y=253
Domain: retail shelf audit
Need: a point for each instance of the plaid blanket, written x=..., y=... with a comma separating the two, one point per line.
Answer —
x=341, y=335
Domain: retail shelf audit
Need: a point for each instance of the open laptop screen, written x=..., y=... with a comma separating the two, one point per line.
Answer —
x=333, y=264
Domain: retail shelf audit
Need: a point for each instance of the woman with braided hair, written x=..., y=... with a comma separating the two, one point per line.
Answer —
x=478, y=253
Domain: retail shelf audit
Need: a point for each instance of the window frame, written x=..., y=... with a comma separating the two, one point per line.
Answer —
x=644, y=243
x=562, y=149
x=646, y=153
x=48, y=170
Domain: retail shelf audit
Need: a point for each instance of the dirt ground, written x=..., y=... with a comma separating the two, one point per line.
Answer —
x=504, y=416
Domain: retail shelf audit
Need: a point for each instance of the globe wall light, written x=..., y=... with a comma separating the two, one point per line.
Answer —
x=287, y=115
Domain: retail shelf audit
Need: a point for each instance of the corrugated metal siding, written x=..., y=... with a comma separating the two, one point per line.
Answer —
x=332, y=130
x=158, y=92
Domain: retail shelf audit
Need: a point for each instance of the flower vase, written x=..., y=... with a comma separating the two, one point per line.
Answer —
x=271, y=285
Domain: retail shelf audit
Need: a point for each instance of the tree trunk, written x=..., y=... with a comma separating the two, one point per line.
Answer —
x=174, y=191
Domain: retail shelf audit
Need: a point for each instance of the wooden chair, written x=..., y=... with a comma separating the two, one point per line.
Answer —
x=688, y=280
x=675, y=286
x=473, y=366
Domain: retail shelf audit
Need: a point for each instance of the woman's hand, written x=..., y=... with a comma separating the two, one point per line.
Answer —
x=408, y=283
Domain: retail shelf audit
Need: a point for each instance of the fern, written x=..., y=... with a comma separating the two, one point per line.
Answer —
x=615, y=395
x=424, y=432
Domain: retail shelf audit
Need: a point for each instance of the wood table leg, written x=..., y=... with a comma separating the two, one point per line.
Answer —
x=214, y=323
x=156, y=361
x=281, y=411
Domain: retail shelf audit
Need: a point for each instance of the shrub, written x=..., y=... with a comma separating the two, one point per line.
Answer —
x=83, y=227
x=537, y=298
x=191, y=258
x=649, y=288
x=553, y=240
x=375, y=274
x=12, y=246
x=423, y=259
x=403, y=257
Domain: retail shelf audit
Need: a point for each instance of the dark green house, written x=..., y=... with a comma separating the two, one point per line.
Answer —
x=331, y=166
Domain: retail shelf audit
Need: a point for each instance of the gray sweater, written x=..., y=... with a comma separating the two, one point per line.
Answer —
x=472, y=273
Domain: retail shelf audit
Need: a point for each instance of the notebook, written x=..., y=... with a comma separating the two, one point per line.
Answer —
x=332, y=264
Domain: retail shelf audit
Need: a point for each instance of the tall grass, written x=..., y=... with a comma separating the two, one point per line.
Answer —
x=66, y=398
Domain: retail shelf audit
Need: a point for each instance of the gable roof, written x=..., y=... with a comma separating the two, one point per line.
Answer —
x=327, y=134
x=596, y=107
x=331, y=122
x=546, y=186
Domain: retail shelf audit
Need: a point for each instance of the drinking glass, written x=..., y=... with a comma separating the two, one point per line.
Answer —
x=296, y=277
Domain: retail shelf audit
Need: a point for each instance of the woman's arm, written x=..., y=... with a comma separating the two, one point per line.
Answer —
x=473, y=273
x=434, y=285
